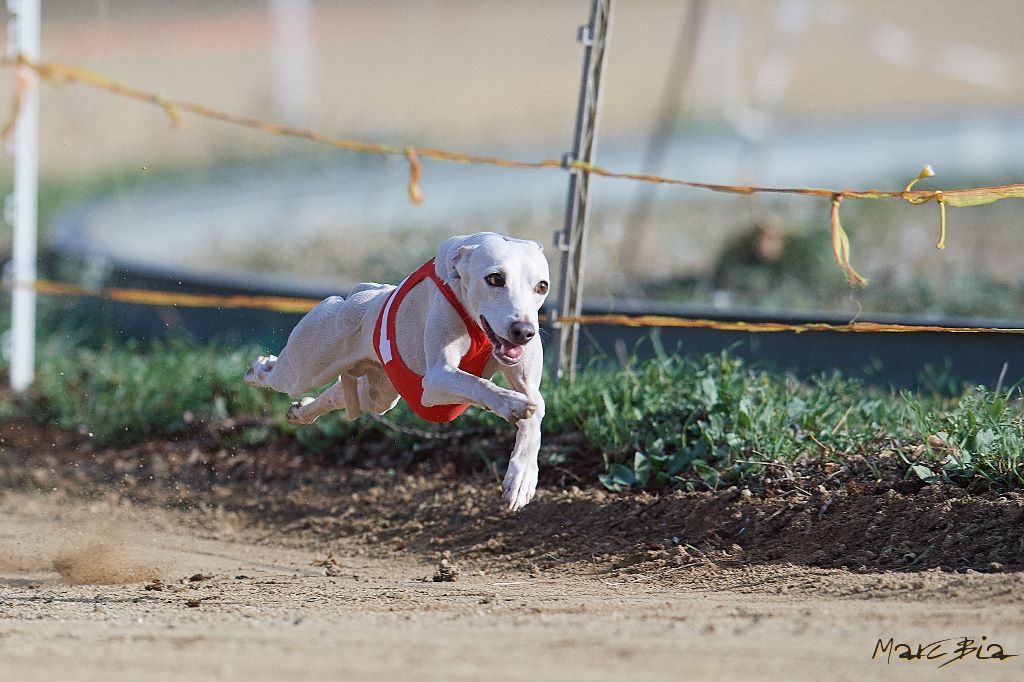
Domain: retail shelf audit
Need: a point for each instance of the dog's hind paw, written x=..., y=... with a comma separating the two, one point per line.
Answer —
x=257, y=374
x=294, y=415
x=520, y=484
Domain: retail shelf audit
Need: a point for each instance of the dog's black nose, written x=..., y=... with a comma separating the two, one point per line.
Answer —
x=521, y=332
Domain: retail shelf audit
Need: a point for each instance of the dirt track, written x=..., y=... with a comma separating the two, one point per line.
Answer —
x=348, y=593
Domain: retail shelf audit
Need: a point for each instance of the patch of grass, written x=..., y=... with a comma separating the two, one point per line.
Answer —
x=981, y=435
x=696, y=422
x=124, y=393
x=711, y=420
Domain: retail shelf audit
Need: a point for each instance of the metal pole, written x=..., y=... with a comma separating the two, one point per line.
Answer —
x=571, y=240
x=25, y=19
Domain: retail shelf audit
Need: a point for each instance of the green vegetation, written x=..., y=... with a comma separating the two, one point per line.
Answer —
x=711, y=421
x=696, y=422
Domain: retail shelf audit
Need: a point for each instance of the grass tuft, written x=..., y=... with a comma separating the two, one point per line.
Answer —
x=697, y=422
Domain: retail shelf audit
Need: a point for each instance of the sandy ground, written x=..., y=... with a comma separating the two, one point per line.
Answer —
x=206, y=595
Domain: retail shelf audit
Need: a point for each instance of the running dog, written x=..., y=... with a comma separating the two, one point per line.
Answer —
x=434, y=340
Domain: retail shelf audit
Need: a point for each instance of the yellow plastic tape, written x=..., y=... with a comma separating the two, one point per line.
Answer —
x=61, y=73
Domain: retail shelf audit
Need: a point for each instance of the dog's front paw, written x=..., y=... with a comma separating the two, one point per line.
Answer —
x=294, y=414
x=513, y=406
x=257, y=374
x=520, y=484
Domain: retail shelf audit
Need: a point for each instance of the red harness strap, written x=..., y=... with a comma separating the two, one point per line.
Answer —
x=408, y=383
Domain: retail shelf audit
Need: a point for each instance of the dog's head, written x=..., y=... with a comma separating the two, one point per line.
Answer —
x=502, y=282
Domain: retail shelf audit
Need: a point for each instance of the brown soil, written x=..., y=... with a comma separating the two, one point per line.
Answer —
x=167, y=559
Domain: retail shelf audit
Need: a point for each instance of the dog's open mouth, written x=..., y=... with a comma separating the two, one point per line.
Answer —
x=507, y=352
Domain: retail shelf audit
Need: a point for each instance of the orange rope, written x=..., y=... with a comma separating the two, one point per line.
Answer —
x=698, y=323
x=288, y=304
x=58, y=73
x=284, y=304
x=61, y=73
x=19, y=95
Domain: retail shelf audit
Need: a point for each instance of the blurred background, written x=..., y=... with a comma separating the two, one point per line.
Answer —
x=845, y=94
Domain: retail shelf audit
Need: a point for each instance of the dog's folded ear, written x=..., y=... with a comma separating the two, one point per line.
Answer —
x=458, y=261
x=451, y=254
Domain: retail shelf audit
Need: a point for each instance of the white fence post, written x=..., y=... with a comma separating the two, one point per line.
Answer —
x=293, y=59
x=25, y=19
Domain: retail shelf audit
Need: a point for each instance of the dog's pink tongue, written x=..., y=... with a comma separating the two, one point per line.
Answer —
x=511, y=352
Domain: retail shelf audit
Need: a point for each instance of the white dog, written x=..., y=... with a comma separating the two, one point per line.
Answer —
x=434, y=340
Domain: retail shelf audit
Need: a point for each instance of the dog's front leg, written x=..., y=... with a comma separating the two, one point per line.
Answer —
x=444, y=384
x=520, y=483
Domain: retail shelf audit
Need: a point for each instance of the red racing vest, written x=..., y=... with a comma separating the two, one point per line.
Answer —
x=408, y=383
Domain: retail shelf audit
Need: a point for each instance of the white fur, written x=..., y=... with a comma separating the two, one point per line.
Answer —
x=334, y=341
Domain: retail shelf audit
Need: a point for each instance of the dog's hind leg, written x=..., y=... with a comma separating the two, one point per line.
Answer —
x=356, y=395
x=376, y=394
x=350, y=393
x=336, y=397
x=325, y=342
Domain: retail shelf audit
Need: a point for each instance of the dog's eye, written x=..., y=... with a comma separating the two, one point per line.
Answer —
x=541, y=288
x=495, y=279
